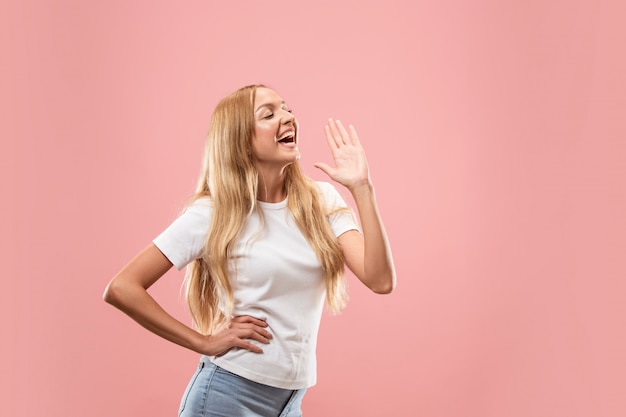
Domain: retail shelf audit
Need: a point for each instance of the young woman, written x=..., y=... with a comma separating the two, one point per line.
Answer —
x=264, y=246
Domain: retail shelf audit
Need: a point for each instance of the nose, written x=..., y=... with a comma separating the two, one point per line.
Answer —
x=287, y=117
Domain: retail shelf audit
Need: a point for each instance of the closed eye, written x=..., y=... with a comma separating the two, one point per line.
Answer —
x=269, y=116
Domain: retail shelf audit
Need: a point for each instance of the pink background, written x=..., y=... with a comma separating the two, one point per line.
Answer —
x=496, y=138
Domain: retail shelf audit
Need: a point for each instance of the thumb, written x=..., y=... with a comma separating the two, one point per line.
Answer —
x=324, y=167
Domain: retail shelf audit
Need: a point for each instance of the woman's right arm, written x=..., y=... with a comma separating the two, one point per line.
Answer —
x=128, y=292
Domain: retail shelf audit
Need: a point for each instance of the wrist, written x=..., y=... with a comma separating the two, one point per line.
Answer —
x=361, y=186
x=200, y=343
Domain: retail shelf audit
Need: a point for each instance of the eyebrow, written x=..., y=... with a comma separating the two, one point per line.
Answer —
x=271, y=104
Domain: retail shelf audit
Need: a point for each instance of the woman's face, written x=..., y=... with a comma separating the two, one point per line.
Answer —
x=275, y=140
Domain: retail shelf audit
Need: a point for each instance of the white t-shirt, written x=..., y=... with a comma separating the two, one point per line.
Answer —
x=275, y=276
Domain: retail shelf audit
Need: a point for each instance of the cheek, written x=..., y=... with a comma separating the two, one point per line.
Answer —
x=265, y=132
x=262, y=143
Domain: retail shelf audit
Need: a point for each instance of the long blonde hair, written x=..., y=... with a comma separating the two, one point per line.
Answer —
x=230, y=179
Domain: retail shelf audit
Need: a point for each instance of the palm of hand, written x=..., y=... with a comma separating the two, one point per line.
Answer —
x=351, y=167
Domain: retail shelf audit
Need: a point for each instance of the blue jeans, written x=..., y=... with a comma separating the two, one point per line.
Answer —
x=215, y=392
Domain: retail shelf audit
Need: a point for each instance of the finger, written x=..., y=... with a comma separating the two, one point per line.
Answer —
x=261, y=336
x=249, y=319
x=345, y=137
x=252, y=325
x=254, y=335
x=328, y=170
x=353, y=136
x=250, y=331
x=332, y=143
x=264, y=334
x=249, y=346
x=335, y=131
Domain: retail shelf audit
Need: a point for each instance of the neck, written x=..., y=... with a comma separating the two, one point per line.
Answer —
x=271, y=186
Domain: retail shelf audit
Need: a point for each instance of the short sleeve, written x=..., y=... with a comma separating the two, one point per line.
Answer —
x=183, y=241
x=342, y=220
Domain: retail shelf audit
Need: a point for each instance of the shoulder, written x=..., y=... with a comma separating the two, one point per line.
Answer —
x=326, y=188
x=184, y=239
x=200, y=205
x=330, y=195
x=202, y=201
x=196, y=214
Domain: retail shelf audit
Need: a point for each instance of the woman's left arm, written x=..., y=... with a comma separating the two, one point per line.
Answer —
x=368, y=255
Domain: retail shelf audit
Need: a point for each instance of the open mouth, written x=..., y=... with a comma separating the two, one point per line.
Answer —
x=288, y=137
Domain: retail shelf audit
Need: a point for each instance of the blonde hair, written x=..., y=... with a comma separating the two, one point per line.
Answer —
x=230, y=179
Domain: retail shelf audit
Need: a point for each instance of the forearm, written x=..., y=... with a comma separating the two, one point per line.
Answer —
x=135, y=301
x=378, y=269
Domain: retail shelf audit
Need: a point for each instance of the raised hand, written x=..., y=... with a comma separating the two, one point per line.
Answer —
x=351, y=169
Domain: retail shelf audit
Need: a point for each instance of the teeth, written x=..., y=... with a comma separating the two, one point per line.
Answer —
x=287, y=137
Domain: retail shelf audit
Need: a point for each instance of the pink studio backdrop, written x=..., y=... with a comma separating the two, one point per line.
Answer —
x=496, y=137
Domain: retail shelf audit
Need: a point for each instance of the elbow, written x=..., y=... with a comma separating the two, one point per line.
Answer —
x=386, y=285
x=112, y=293
x=382, y=290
